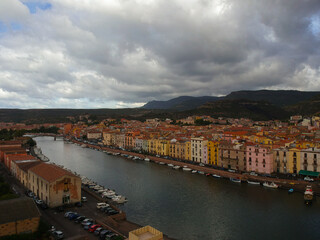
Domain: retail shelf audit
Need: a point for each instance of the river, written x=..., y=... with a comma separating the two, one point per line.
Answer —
x=191, y=206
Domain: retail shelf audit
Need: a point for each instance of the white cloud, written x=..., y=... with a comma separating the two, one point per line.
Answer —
x=112, y=53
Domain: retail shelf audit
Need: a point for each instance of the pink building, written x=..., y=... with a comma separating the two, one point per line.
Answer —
x=205, y=155
x=259, y=159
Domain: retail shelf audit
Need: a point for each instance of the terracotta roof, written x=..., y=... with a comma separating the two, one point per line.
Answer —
x=17, y=209
x=10, y=149
x=27, y=165
x=50, y=172
x=14, y=157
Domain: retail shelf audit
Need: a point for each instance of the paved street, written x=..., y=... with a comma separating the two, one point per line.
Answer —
x=57, y=219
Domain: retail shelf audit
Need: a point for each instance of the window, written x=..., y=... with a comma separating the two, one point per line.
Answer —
x=66, y=187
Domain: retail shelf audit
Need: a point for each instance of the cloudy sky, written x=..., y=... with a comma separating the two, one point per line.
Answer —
x=123, y=53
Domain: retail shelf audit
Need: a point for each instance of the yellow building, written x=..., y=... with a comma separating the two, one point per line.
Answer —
x=294, y=157
x=152, y=146
x=213, y=152
x=162, y=147
x=261, y=140
x=187, y=151
x=146, y=233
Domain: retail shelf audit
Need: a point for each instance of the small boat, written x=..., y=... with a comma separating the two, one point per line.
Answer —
x=308, y=195
x=208, y=174
x=216, y=176
x=253, y=182
x=176, y=167
x=186, y=169
x=290, y=190
x=119, y=199
x=200, y=172
x=170, y=165
x=194, y=171
x=161, y=163
x=270, y=185
x=147, y=159
x=235, y=180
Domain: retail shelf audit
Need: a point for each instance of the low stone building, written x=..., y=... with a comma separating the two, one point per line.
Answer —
x=19, y=215
x=146, y=233
x=54, y=185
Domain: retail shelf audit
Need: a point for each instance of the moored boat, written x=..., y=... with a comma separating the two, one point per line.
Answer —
x=176, y=167
x=147, y=159
x=201, y=172
x=161, y=163
x=253, y=182
x=216, y=176
x=290, y=190
x=235, y=180
x=170, y=165
x=308, y=195
x=270, y=185
x=186, y=169
x=194, y=171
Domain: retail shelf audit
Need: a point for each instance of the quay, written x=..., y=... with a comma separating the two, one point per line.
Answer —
x=297, y=185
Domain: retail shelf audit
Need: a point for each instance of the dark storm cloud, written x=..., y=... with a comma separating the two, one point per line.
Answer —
x=122, y=53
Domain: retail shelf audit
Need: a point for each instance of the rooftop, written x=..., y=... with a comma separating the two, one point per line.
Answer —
x=50, y=172
x=17, y=209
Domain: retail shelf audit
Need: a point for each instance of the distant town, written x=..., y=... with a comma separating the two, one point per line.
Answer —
x=269, y=151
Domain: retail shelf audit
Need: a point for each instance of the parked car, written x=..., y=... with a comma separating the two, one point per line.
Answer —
x=67, y=214
x=83, y=199
x=79, y=219
x=87, y=225
x=73, y=216
x=98, y=230
x=85, y=221
x=102, y=204
x=94, y=227
x=110, y=236
x=38, y=202
x=57, y=234
x=309, y=179
x=43, y=206
x=103, y=233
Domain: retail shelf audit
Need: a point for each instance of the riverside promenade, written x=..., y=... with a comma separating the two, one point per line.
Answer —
x=297, y=185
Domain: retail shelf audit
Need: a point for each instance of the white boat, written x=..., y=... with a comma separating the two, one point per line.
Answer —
x=186, y=169
x=170, y=165
x=253, y=182
x=119, y=199
x=147, y=159
x=176, y=167
x=235, y=180
x=216, y=176
x=161, y=163
x=270, y=185
x=194, y=171
x=200, y=172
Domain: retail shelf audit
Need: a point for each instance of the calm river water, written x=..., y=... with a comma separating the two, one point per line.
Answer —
x=190, y=206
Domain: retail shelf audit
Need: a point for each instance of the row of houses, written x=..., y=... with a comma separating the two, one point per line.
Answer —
x=52, y=184
x=231, y=154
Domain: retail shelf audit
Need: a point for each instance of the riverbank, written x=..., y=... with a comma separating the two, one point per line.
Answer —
x=297, y=185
